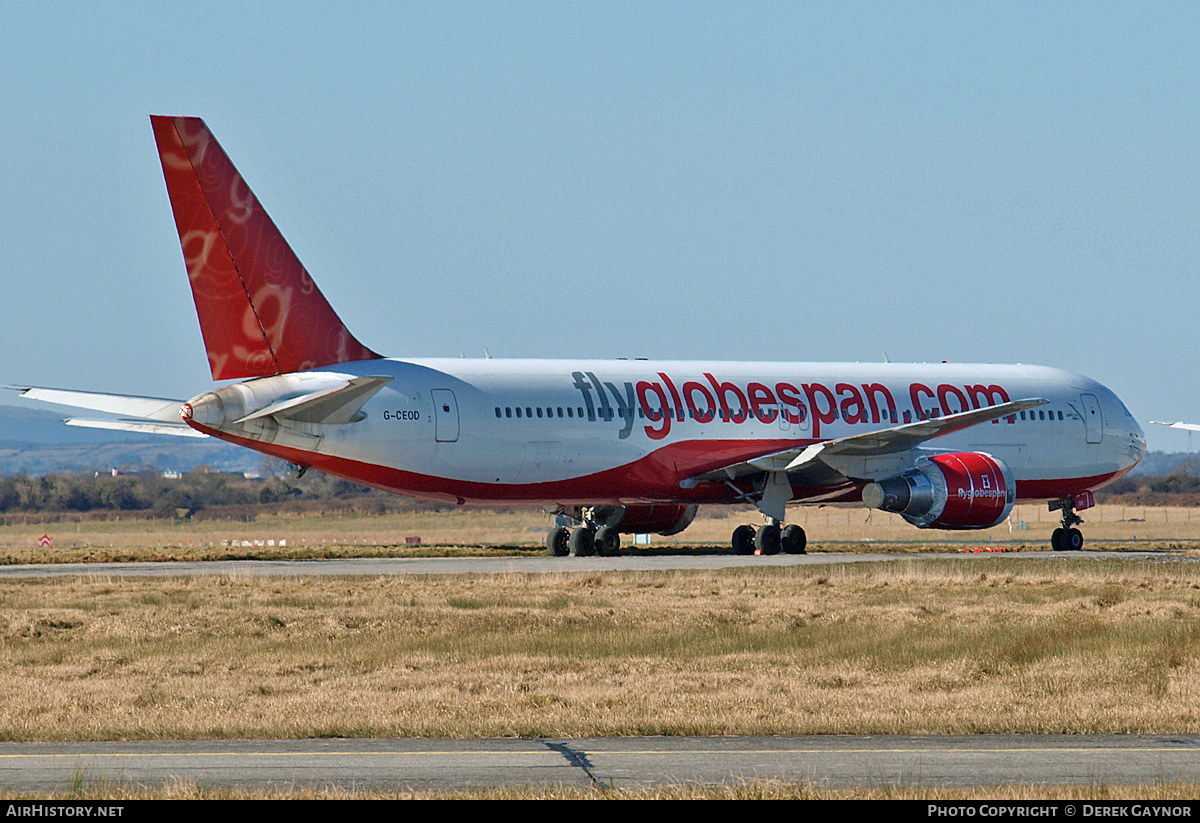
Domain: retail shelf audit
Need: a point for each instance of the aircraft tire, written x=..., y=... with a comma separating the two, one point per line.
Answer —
x=1073, y=540
x=556, y=541
x=793, y=540
x=767, y=540
x=582, y=542
x=607, y=542
x=743, y=540
x=1056, y=541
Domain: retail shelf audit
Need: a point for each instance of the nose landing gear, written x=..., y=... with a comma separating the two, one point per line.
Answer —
x=1067, y=538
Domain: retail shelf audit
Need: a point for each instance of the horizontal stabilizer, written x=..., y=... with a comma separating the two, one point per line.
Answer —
x=333, y=406
x=141, y=427
x=151, y=415
x=147, y=408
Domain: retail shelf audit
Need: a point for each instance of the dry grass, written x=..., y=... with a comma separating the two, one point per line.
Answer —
x=474, y=531
x=912, y=648
x=84, y=789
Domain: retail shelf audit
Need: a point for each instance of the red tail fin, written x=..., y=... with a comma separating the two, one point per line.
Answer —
x=260, y=312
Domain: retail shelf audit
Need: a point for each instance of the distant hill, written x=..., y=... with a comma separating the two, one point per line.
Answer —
x=22, y=427
x=35, y=442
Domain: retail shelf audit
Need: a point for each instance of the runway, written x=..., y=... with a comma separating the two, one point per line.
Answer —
x=541, y=564
x=448, y=765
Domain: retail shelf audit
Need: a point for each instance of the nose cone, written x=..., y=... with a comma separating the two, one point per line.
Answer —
x=1134, y=445
x=1137, y=442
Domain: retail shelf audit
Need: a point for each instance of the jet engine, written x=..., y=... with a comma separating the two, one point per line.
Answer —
x=963, y=490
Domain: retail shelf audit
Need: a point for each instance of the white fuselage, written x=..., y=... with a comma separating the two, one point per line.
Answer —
x=631, y=431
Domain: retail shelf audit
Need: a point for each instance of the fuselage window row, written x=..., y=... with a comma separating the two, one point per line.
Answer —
x=707, y=415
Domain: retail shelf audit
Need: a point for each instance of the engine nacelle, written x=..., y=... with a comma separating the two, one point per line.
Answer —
x=963, y=490
x=665, y=519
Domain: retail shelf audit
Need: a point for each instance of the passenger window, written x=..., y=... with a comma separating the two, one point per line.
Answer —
x=497, y=411
x=508, y=411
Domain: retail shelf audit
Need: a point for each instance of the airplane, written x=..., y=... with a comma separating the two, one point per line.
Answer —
x=610, y=447
x=1187, y=427
x=1182, y=426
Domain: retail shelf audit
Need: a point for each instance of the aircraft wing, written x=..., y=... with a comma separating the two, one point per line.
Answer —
x=1191, y=427
x=146, y=415
x=810, y=459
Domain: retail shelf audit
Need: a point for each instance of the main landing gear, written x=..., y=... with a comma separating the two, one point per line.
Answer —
x=583, y=541
x=1066, y=538
x=770, y=496
x=770, y=539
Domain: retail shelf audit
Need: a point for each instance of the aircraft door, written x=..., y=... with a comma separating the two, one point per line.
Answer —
x=786, y=413
x=445, y=416
x=1093, y=418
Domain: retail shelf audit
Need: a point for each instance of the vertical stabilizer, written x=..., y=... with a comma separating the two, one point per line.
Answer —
x=260, y=312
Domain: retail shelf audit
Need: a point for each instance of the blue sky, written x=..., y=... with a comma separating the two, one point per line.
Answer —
x=832, y=181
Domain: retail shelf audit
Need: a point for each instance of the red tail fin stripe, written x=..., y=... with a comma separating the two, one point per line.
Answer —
x=260, y=312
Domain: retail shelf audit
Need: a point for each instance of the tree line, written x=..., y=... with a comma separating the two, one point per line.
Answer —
x=204, y=494
x=1181, y=487
x=193, y=494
